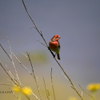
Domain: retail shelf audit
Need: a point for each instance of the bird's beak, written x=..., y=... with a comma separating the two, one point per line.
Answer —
x=59, y=37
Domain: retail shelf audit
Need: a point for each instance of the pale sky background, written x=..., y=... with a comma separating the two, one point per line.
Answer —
x=76, y=21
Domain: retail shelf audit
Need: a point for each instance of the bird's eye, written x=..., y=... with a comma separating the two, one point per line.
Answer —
x=57, y=36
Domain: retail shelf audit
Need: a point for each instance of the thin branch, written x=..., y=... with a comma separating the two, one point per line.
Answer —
x=34, y=23
x=87, y=93
x=5, y=52
x=69, y=79
x=31, y=27
x=8, y=74
x=33, y=74
x=30, y=62
x=11, y=75
x=52, y=52
x=15, y=95
x=65, y=77
x=29, y=98
x=21, y=63
x=35, y=96
x=5, y=84
x=37, y=28
x=13, y=61
x=52, y=85
x=46, y=90
x=42, y=43
x=16, y=81
x=27, y=70
x=24, y=54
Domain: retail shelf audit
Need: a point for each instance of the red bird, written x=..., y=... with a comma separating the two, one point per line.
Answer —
x=55, y=45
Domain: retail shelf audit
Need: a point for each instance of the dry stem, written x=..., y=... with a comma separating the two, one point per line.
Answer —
x=87, y=93
x=52, y=85
x=46, y=90
x=33, y=74
x=13, y=61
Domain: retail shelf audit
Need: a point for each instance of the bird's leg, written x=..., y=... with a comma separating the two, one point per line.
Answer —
x=55, y=55
x=51, y=52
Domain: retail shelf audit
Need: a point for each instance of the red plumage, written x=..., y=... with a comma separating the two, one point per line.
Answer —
x=55, y=45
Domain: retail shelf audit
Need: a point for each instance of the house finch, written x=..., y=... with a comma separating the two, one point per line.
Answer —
x=55, y=45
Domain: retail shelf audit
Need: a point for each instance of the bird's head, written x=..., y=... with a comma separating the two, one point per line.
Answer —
x=55, y=38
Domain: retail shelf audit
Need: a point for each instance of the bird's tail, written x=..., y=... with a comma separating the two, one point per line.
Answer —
x=58, y=56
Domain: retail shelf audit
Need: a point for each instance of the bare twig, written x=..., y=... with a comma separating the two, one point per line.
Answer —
x=52, y=52
x=13, y=79
x=8, y=72
x=87, y=93
x=46, y=90
x=5, y=84
x=13, y=61
x=69, y=79
x=31, y=27
x=52, y=85
x=35, y=96
x=27, y=70
x=34, y=23
x=21, y=63
x=33, y=74
x=11, y=75
x=24, y=54
x=15, y=95
x=42, y=43
x=30, y=62
x=37, y=28
x=5, y=52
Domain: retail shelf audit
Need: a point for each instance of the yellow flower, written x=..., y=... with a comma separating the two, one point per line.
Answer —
x=27, y=90
x=93, y=87
x=16, y=88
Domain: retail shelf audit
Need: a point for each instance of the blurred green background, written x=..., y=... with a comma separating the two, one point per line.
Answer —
x=78, y=24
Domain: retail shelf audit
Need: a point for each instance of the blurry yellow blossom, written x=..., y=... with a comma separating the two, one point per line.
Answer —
x=27, y=90
x=93, y=87
x=16, y=88
x=72, y=98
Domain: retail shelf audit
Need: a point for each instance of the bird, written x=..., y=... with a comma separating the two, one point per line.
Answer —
x=54, y=45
